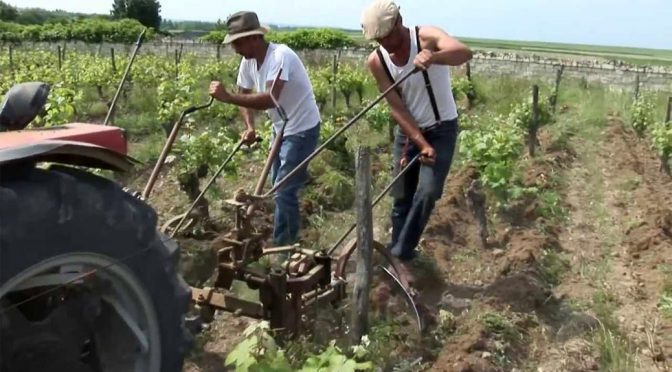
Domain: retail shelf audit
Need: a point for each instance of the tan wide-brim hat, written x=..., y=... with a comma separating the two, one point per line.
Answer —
x=379, y=18
x=243, y=24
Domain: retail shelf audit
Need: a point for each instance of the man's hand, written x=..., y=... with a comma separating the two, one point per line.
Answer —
x=219, y=92
x=427, y=152
x=427, y=155
x=249, y=137
x=424, y=59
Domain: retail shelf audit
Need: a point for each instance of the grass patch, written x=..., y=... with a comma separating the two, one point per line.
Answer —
x=140, y=125
x=507, y=334
x=665, y=301
x=550, y=206
x=498, y=95
x=465, y=255
x=147, y=150
x=595, y=272
x=604, y=305
x=617, y=353
x=561, y=137
x=500, y=325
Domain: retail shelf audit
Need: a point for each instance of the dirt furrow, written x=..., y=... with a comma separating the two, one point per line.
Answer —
x=616, y=243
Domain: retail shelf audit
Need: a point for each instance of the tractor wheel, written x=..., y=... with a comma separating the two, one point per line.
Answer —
x=86, y=281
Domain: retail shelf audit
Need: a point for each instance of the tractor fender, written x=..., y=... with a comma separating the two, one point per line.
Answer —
x=67, y=152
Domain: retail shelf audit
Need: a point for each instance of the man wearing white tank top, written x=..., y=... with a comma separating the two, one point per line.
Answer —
x=423, y=107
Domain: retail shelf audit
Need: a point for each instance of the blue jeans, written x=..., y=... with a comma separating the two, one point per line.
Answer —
x=417, y=191
x=293, y=150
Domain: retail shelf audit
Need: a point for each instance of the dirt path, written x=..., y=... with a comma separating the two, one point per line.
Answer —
x=573, y=294
x=617, y=241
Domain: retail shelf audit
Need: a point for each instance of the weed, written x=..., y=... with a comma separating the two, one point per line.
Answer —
x=498, y=324
x=550, y=206
x=616, y=353
x=447, y=323
x=554, y=267
x=604, y=305
x=561, y=141
x=464, y=255
x=665, y=302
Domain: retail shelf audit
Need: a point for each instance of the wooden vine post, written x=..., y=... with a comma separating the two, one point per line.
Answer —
x=665, y=157
x=534, y=126
x=558, y=78
x=363, y=275
x=334, y=74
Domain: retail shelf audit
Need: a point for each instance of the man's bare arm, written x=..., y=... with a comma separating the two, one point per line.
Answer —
x=446, y=50
x=247, y=113
x=256, y=101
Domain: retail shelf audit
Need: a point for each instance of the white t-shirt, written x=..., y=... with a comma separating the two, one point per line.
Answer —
x=297, y=98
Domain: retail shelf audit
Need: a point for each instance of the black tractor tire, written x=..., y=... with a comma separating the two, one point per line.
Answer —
x=63, y=210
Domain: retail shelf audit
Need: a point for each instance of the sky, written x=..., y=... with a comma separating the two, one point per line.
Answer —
x=633, y=23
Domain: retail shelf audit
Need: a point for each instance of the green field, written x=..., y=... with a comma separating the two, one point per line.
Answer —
x=641, y=56
x=634, y=55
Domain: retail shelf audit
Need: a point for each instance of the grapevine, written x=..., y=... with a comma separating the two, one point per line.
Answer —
x=321, y=86
x=641, y=114
x=461, y=87
x=349, y=81
x=521, y=113
x=661, y=135
x=494, y=145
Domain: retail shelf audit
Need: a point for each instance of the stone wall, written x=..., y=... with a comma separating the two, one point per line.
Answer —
x=614, y=78
x=613, y=74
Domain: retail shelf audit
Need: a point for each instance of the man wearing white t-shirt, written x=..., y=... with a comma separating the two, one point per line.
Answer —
x=262, y=61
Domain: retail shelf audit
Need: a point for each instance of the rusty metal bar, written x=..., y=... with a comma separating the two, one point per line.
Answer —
x=275, y=147
x=207, y=187
x=225, y=302
x=277, y=280
x=123, y=79
x=169, y=145
x=330, y=294
x=375, y=202
x=310, y=157
x=277, y=250
x=307, y=281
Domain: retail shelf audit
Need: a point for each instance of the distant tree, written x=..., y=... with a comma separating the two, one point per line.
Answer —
x=8, y=13
x=119, y=8
x=220, y=25
x=167, y=24
x=146, y=12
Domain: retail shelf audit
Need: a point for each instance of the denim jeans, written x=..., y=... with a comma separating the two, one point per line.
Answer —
x=293, y=150
x=416, y=193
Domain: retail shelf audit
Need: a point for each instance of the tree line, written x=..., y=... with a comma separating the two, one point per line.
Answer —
x=126, y=20
x=147, y=12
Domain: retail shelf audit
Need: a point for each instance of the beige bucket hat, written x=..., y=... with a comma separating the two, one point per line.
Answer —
x=243, y=24
x=379, y=18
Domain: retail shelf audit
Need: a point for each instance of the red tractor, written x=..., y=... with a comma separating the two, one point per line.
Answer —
x=87, y=283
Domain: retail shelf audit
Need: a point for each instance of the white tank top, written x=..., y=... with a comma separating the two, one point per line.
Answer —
x=415, y=94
